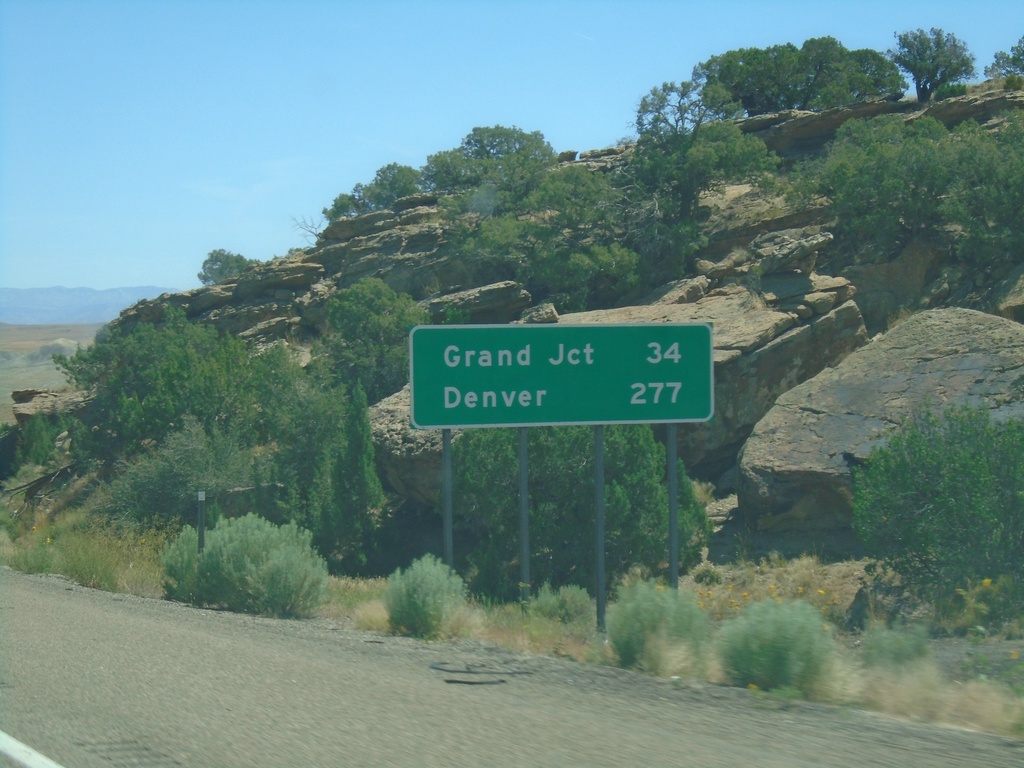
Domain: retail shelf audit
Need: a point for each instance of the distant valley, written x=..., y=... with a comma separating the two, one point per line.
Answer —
x=26, y=357
x=48, y=306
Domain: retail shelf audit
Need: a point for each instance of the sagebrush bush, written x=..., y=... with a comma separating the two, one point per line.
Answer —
x=893, y=648
x=646, y=612
x=180, y=561
x=773, y=644
x=249, y=565
x=571, y=604
x=419, y=599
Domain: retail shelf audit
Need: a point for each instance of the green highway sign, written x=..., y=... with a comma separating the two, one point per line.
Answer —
x=536, y=375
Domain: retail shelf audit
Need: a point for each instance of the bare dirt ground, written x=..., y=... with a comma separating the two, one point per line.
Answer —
x=96, y=679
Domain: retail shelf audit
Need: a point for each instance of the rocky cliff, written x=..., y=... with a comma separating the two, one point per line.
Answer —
x=787, y=320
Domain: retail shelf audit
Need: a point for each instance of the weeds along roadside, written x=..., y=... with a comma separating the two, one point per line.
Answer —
x=891, y=671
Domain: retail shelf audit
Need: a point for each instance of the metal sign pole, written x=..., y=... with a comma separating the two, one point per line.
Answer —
x=446, y=461
x=599, y=522
x=201, y=519
x=524, y=521
x=673, y=508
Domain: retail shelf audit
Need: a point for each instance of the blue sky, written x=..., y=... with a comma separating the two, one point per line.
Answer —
x=138, y=135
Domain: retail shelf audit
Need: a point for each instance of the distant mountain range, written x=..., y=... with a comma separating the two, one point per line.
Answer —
x=48, y=306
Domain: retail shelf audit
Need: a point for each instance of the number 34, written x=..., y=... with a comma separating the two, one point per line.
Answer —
x=656, y=356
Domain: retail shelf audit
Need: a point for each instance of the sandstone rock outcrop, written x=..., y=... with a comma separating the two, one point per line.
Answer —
x=795, y=468
x=408, y=459
x=794, y=133
x=496, y=303
x=29, y=402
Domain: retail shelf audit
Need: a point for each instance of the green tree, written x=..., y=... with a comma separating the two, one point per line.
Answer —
x=683, y=150
x=492, y=170
x=367, y=341
x=303, y=461
x=855, y=76
x=36, y=439
x=220, y=265
x=986, y=200
x=932, y=59
x=160, y=484
x=145, y=381
x=1011, y=63
x=887, y=180
x=562, y=507
x=942, y=502
x=561, y=243
x=359, y=487
x=821, y=74
x=391, y=182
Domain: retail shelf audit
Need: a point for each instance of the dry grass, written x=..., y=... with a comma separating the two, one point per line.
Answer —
x=90, y=553
x=509, y=627
x=346, y=595
x=920, y=692
x=723, y=591
x=371, y=616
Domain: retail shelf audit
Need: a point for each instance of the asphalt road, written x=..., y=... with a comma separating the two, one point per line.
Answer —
x=92, y=679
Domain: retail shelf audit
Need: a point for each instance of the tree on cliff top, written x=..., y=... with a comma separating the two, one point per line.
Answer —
x=220, y=265
x=496, y=168
x=390, y=183
x=1011, y=63
x=932, y=59
x=820, y=74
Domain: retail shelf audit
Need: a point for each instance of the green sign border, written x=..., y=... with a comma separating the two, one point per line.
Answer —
x=600, y=369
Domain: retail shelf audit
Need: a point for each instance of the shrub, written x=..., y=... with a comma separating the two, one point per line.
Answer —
x=942, y=504
x=180, y=561
x=249, y=565
x=646, y=612
x=1013, y=83
x=569, y=605
x=950, y=90
x=776, y=645
x=419, y=600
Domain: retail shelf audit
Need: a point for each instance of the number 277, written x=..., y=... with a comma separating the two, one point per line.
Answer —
x=641, y=392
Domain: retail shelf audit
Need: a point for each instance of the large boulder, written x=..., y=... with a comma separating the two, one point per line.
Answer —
x=760, y=352
x=795, y=479
x=408, y=460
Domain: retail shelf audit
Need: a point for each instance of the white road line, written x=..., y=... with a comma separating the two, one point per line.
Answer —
x=23, y=755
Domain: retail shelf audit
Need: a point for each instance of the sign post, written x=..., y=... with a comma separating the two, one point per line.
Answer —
x=201, y=519
x=464, y=376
